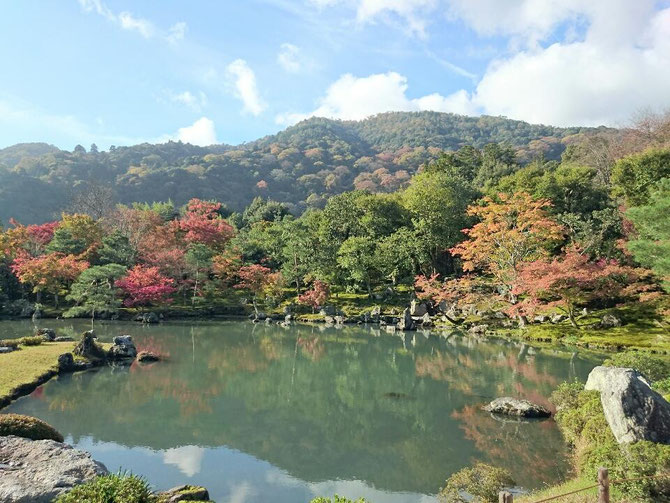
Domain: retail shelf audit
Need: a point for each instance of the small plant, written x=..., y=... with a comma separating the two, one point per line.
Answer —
x=33, y=340
x=27, y=427
x=480, y=483
x=112, y=488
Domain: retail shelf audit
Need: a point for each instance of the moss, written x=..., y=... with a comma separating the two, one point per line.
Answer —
x=10, y=343
x=186, y=493
x=27, y=427
x=34, y=340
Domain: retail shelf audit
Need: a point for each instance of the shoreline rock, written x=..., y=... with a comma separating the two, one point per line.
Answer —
x=518, y=407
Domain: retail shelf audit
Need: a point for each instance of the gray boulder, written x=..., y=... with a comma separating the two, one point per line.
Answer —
x=633, y=410
x=149, y=317
x=417, y=309
x=65, y=362
x=406, y=322
x=609, y=321
x=558, y=318
x=123, y=347
x=426, y=321
x=37, y=471
x=478, y=329
x=48, y=333
x=516, y=407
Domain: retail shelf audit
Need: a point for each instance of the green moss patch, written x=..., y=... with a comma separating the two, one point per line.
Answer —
x=27, y=427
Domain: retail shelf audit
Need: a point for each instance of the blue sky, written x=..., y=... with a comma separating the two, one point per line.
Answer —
x=122, y=72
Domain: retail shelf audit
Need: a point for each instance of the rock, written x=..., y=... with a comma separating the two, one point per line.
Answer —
x=406, y=322
x=478, y=329
x=609, y=321
x=149, y=317
x=417, y=309
x=376, y=312
x=268, y=320
x=47, y=333
x=516, y=407
x=37, y=471
x=288, y=318
x=541, y=319
x=633, y=410
x=183, y=493
x=65, y=362
x=339, y=320
x=88, y=348
x=123, y=347
x=63, y=339
x=557, y=318
x=426, y=321
x=328, y=310
x=329, y=320
x=147, y=356
x=5, y=349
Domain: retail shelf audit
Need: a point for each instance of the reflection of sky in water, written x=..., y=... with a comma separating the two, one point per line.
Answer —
x=230, y=476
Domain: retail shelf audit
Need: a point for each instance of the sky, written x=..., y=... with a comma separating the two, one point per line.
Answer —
x=121, y=72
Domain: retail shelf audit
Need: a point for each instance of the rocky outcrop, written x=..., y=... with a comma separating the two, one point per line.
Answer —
x=417, y=308
x=633, y=410
x=147, y=357
x=516, y=407
x=123, y=348
x=89, y=349
x=48, y=333
x=406, y=322
x=37, y=471
x=183, y=493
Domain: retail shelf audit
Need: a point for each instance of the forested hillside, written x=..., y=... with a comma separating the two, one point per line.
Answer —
x=301, y=166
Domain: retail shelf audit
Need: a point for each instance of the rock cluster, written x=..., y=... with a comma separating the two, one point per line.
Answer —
x=123, y=348
x=633, y=410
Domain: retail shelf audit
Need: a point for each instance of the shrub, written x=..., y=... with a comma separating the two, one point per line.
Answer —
x=33, y=340
x=482, y=482
x=653, y=367
x=27, y=427
x=581, y=418
x=112, y=488
x=10, y=343
x=337, y=499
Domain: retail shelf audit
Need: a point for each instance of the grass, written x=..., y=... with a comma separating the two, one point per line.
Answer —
x=588, y=496
x=28, y=364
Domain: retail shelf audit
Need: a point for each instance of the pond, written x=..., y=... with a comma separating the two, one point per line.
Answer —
x=263, y=413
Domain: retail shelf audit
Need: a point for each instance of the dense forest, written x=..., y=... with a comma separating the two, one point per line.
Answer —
x=587, y=229
x=301, y=166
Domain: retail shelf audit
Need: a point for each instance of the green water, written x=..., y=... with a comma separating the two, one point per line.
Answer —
x=260, y=413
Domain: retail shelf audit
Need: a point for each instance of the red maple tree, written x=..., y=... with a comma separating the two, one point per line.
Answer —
x=145, y=285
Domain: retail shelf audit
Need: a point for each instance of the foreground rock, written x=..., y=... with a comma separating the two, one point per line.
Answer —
x=516, y=407
x=89, y=349
x=183, y=493
x=48, y=333
x=147, y=357
x=37, y=471
x=123, y=348
x=633, y=410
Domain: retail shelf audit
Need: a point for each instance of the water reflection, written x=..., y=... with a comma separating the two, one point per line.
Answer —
x=251, y=411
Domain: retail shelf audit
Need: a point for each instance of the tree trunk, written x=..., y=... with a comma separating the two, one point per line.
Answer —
x=571, y=315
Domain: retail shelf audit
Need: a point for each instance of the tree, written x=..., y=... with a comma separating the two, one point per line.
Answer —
x=50, y=273
x=651, y=248
x=94, y=199
x=356, y=257
x=202, y=223
x=199, y=261
x=94, y=291
x=145, y=285
x=316, y=296
x=512, y=231
x=635, y=175
x=253, y=278
x=116, y=249
x=569, y=281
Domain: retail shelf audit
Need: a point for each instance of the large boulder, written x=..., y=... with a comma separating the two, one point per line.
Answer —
x=48, y=333
x=89, y=349
x=516, y=407
x=417, y=309
x=633, y=410
x=37, y=471
x=406, y=322
x=123, y=347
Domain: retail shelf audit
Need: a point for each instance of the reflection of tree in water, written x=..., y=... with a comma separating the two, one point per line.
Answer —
x=321, y=404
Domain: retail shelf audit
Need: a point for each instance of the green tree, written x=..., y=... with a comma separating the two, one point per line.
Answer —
x=64, y=242
x=116, y=249
x=94, y=291
x=356, y=257
x=652, y=246
x=635, y=175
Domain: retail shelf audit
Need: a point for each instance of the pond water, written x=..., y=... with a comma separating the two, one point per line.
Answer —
x=261, y=413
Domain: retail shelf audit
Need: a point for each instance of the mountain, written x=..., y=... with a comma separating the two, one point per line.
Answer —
x=302, y=165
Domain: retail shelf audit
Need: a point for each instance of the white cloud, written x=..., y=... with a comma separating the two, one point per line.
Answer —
x=127, y=21
x=201, y=132
x=195, y=102
x=187, y=458
x=243, y=80
x=289, y=58
x=354, y=98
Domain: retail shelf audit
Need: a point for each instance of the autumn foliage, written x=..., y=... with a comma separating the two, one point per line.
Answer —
x=145, y=285
x=316, y=296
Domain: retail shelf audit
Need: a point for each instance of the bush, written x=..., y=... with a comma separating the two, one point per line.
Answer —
x=337, y=499
x=581, y=418
x=10, y=343
x=653, y=367
x=33, y=340
x=113, y=488
x=27, y=427
x=483, y=482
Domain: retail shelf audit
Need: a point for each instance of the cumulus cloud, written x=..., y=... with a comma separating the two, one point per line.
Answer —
x=354, y=98
x=187, y=458
x=128, y=21
x=243, y=80
x=289, y=58
x=201, y=132
x=195, y=102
